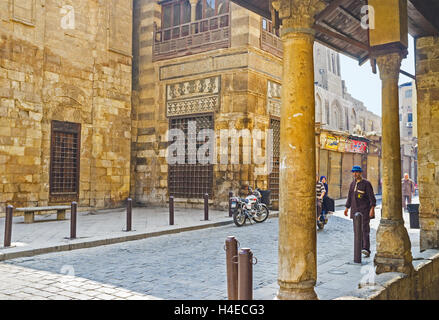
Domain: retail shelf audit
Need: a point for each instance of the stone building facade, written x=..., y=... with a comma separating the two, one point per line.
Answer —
x=220, y=65
x=86, y=104
x=65, y=102
x=408, y=129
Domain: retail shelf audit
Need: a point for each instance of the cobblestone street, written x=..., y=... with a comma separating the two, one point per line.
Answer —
x=191, y=265
x=188, y=265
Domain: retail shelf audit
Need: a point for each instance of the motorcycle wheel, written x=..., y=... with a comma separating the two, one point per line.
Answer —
x=262, y=215
x=321, y=225
x=239, y=218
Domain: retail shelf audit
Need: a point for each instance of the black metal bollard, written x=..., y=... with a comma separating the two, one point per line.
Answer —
x=8, y=225
x=73, y=220
x=129, y=214
x=230, y=203
x=358, y=236
x=245, y=274
x=232, y=267
x=206, y=207
x=171, y=210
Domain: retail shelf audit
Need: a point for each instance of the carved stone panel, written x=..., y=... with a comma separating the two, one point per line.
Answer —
x=274, y=91
x=191, y=97
x=120, y=26
x=24, y=11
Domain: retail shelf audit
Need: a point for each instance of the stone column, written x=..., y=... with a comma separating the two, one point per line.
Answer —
x=427, y=87
x=393, y=243
x=297, y=269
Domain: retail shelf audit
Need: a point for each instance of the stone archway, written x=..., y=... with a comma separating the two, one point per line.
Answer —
x=337, y=115
x=319, y=109
x=353, y=118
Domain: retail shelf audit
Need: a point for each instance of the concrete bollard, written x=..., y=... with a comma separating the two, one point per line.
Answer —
x=171, y=210
x=129, y=214
x=245, y=274
x=8, y=225
x=231, y=248
x=206, y=207
x=73, y=220
x=358, y=236
x=230, y=203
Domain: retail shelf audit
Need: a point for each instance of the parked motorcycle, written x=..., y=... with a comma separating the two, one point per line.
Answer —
x=250, y=208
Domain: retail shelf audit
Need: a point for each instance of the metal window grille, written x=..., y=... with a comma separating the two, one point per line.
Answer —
x=190, y=180
x=274, y=175
x=64, y=160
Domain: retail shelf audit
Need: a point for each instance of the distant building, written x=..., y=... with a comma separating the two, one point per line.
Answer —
x=408, y=129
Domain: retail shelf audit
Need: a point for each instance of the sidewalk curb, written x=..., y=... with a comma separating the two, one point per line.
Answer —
x=107, y=241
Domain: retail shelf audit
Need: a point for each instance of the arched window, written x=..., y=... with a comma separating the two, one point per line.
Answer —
x=333, y=63
x=319, y=109
x=210, y=8
x=329, y=62
x=353, y=118
x=328, y=121
x=223, y=7
x=199, y=9
x=336, y=118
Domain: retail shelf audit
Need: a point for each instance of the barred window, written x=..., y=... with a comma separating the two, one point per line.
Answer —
x=190, y=180
x=273, y=180
x=64, y=160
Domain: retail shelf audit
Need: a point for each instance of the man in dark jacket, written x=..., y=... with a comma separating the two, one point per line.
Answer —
x=361, y=198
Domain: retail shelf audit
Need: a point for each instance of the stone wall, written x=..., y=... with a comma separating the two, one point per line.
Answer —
x=423, y=284
x=50, y=71
x=427, y=84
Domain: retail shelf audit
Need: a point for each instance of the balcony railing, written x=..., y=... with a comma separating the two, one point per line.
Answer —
x=271, y=43
x=194, y=37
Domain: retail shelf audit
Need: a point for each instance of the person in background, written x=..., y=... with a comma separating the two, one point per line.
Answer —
x=320, y=193
x=325, y=198
x=408, y=190
x=361, y=198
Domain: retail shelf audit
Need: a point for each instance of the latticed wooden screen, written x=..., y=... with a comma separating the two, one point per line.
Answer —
x=64, y=160
x=274, y=175
x=190, y=180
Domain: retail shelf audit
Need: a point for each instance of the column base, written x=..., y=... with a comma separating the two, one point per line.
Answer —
x=393, y=248
x=296, y=292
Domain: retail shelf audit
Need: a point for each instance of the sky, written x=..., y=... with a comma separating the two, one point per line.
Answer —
x=365, y=86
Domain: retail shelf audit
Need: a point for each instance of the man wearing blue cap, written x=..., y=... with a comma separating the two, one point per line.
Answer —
x=361, y=198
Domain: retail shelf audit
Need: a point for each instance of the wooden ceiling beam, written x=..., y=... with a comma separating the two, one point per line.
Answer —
x=335, y=29
x=346, y=12
x=247, y=4
x=341, y=37
x=329, y=9
x=429, y=10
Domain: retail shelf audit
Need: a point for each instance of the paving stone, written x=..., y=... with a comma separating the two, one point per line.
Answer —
x=191, y=265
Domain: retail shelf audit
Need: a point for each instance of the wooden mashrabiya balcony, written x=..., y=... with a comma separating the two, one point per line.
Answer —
x=194, y=37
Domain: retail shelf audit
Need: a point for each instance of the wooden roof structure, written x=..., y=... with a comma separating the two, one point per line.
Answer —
x=338, y=26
